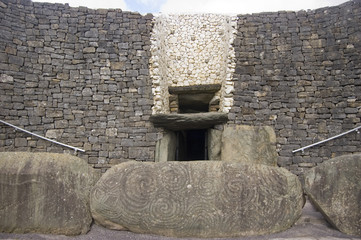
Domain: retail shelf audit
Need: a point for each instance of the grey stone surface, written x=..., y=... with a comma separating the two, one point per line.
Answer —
x=166, y=147
x=197, y=199
x=44, y=193
x=285, y=78
x=311, y=226
x=87, y=68
x=295, y=71
x=214, y=144
x=334, y=187
x=254, y=144
x=186, y=121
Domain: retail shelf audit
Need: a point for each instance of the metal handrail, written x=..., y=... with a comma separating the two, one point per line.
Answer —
x=44, y=138
x=328, y=139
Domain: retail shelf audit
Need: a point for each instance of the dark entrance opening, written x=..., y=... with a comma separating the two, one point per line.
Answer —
x=192, y=145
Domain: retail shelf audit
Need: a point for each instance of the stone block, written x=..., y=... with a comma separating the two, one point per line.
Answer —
x=334, y=188
x=35, y=44
x=131, y=73
x=93, y=33
x=16, y=60
x=197, y=199
x=45, y=193
x=140, y=153
x=111, y=132
x=54, y=133
x=89, y=50
x=254, y=144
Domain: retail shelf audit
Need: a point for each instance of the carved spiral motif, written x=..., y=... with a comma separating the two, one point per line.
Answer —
x=193, y=199
x=202, y=218
x=137, y=186
x=166, y=212
x=207, y=188
x=174, y=179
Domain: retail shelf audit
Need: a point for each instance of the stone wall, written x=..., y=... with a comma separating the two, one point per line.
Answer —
x=192, y=50
x=82, y=77
x=79, y=76
x=300, y=73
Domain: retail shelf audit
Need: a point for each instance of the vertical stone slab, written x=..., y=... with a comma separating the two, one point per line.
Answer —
x=214, y=144
x=335, y=188
x=44, y=193
x=166, y=147
x=254, y=144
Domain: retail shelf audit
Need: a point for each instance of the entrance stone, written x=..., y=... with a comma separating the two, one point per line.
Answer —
x=197, y=199
x=254, y=144
x=335, y=189
x=44, y=193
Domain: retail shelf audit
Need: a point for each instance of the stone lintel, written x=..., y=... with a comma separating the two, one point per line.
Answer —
x=177, y=122
x=206, y=88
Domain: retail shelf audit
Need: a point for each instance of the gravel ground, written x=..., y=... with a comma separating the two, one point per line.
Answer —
x=311, y=226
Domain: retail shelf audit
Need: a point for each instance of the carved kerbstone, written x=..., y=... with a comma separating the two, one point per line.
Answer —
x=197, y=199
x=44, y=193
x=335, y=189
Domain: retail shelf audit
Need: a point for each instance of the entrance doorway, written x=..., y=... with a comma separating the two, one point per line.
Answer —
x=191, y=145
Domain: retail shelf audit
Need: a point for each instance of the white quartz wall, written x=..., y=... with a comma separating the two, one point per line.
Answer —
x=192, y=50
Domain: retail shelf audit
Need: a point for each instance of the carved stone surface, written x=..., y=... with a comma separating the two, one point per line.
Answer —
x=197, y=199
x=254, y=144
x=178, y=122
x=44, y=193
x=335, y=189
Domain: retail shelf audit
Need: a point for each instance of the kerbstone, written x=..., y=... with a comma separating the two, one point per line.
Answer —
x=44, y=193
x=197, y=199
x=334, y=187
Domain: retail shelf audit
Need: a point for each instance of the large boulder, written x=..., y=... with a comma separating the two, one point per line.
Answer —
x=335, y=189
x=44, y=193
x=197, y=199
x=254, y=144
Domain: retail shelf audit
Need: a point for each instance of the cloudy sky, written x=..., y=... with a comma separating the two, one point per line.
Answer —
x=200, y=6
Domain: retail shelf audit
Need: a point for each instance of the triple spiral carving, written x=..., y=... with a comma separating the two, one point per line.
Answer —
x=192, y=199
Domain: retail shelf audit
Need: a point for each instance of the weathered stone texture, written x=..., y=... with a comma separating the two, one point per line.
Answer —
x=252, y=144
x=334, y=187
x=179, y=122
x=198, y=199
x=87, y=72
x=197, y=53
x=76, y=75
x=44, y=193
x=299, y=72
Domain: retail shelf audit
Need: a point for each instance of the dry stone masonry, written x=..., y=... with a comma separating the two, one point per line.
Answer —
x=79, y=76
x=122, y=86
x=94, y=78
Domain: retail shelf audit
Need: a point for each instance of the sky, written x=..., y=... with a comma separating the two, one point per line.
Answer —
x=202, y=6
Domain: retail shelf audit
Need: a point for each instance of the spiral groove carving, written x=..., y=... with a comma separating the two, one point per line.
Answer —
x=198, y=199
